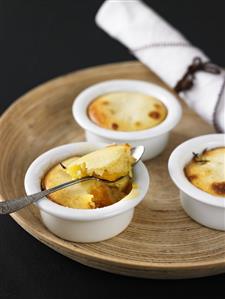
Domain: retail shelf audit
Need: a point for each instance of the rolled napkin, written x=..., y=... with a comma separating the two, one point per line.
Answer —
x=169, y=54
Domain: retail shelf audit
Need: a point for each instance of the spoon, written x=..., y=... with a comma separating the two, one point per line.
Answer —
x=10, y=206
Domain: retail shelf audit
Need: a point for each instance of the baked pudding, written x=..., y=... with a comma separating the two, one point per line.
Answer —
x=207, y=171
x=110, y=163
x=126, y=111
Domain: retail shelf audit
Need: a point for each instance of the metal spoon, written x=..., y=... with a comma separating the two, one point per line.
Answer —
x=10, y=206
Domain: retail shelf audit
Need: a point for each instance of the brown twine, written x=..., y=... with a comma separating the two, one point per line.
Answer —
x=215, y=123
x=187, y=81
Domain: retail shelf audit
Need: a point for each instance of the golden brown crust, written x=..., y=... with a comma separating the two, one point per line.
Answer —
x=126, y=111
x=219, y=188
x=154, y=114
x=207, y=171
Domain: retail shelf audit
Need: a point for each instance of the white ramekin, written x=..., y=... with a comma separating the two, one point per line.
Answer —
x=203, y=207
x=80, y=225
x=154, y=139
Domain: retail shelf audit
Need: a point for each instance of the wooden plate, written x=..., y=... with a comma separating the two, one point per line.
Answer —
x=162, y=241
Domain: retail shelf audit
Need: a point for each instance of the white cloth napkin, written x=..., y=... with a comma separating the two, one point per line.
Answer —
x=167, y=52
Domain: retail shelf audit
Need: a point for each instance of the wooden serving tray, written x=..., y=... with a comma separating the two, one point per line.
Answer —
x=162, y=241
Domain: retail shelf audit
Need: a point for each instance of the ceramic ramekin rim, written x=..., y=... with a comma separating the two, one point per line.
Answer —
x=82, y=101
x=45, y=161
x=182, y=155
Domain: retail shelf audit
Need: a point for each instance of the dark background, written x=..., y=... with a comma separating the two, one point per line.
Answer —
x=43, y=39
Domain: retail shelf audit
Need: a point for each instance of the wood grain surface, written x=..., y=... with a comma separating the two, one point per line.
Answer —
x=162, y=241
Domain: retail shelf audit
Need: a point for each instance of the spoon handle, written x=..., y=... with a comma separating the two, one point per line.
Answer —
x=10, y=206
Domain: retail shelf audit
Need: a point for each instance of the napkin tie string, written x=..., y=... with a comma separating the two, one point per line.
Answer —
x=187, y=81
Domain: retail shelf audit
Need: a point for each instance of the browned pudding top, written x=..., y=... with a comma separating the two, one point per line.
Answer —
x=127, y=111
x=207, y=171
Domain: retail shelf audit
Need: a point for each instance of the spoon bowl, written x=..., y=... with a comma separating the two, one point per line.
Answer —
x=137, y=152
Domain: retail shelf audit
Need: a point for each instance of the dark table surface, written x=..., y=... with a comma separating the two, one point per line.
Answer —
x=44, y=39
